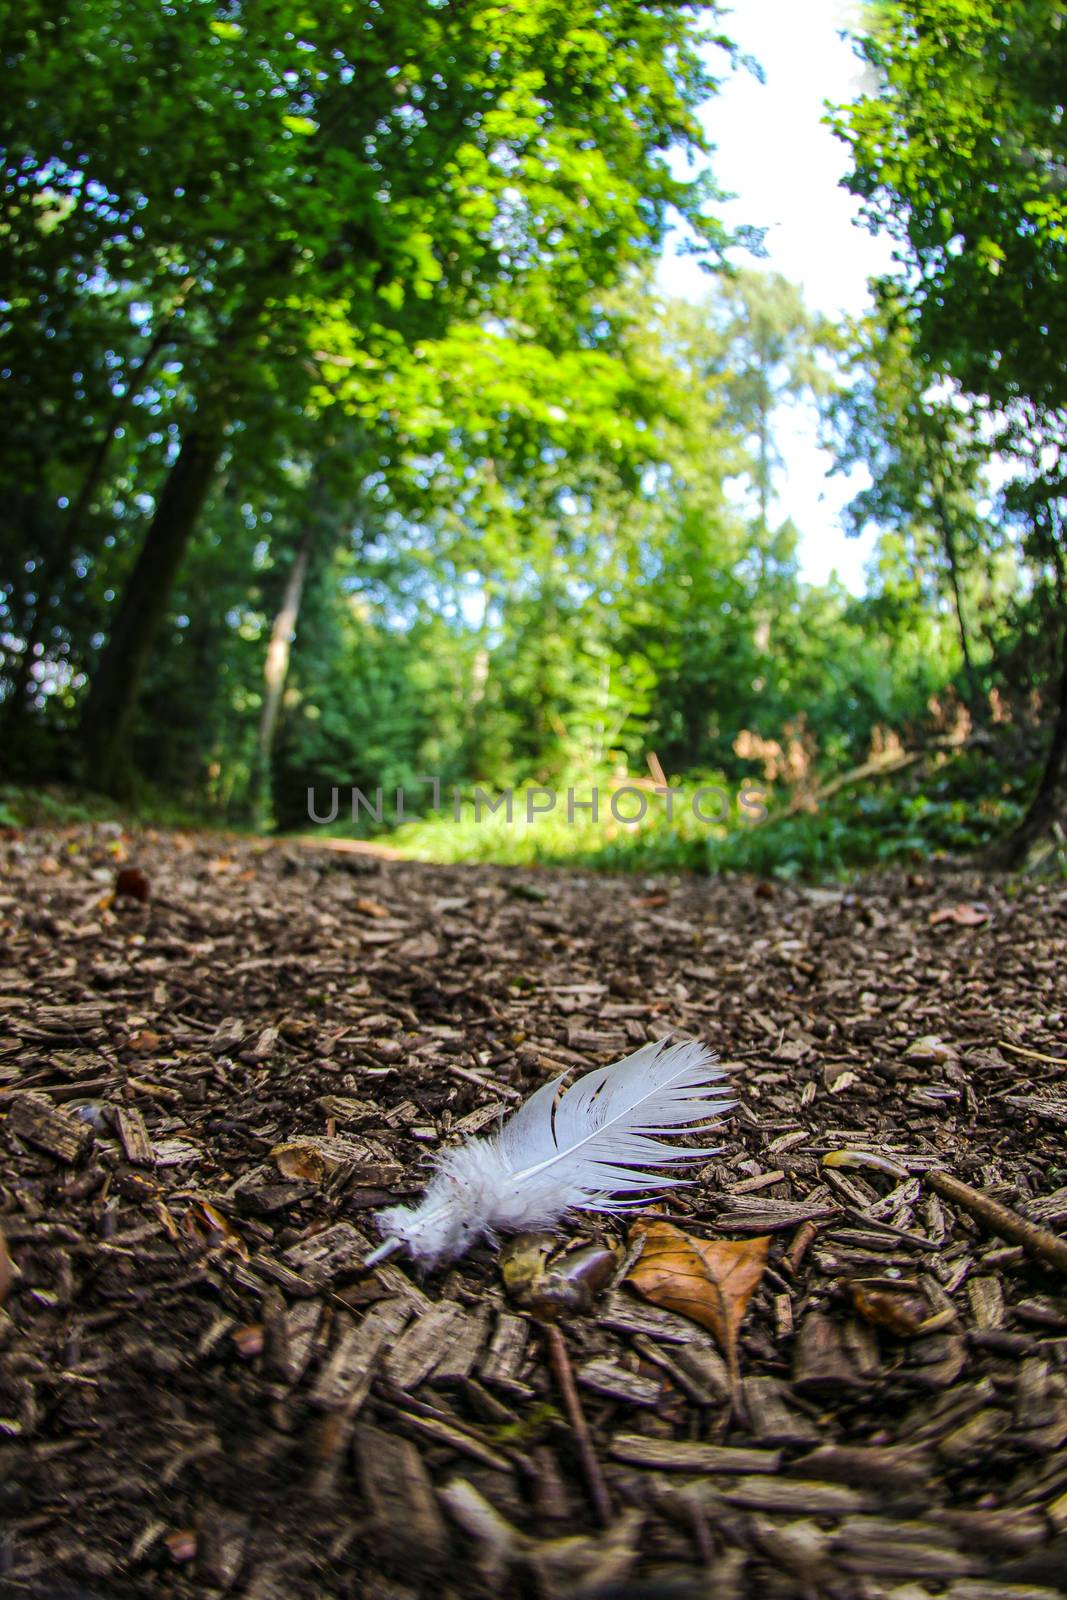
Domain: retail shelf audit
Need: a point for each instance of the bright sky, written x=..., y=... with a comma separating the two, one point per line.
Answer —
x=785, y=168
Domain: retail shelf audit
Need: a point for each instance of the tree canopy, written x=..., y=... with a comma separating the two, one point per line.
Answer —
x=346, y=435
x=960, y=153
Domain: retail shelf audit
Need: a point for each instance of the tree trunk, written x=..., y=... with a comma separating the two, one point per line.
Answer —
x=112, y=699
x=55, y=565
x=275, y=672
x=948, y=539
x=53, y=568
x=1048, y=798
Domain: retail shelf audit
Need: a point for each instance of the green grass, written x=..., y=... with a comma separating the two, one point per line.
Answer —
x=649, y=844
x=62, y=806
x=946, y=810
x=943, y=809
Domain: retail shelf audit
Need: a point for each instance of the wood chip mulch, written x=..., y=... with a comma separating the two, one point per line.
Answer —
x=214, y=1068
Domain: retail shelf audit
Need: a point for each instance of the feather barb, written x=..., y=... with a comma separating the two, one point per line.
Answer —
x=585, y=1149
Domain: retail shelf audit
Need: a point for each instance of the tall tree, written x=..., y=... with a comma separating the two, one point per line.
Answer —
x=960, y=152
x=926, y=451
x=772, y=350
x=381, y=169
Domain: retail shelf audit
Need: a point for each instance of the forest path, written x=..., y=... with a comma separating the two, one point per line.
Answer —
x=201, y=1393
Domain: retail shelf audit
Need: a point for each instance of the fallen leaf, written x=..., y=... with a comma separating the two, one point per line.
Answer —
x=901, y=1314
x=371, y=908
x=864, y=1158
x=145, y=1043
x=708, y=1280
x=565, y=1285
x=930, y=1048
x=249, y=1340
x=131, y=882
x=181, y=1544
x=316, y=1157
x=965, y=916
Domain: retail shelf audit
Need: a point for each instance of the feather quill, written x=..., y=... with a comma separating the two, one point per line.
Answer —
x=582, y=1150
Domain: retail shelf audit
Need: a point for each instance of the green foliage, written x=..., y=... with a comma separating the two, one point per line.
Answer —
x=948, y=807
x=960, y=152
x=926, y=449
x=473, y=500
x=362, y=178
x=935, y=814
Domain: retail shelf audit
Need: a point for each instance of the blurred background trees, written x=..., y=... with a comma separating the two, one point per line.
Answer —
x=345, y=436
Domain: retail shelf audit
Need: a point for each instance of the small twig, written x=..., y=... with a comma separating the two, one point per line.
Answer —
x=918, y=1241
x=1032, y=1055
x=1000, y=1219
x=69, y=1089
x=483, y=1083
x=628, y=1262
x=801, y=1243
x=155, y=1091
x=560, y=1362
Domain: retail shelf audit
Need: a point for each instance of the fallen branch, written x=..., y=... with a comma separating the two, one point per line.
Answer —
x=877, y=767
x=1000, y=1219
x=881, y=766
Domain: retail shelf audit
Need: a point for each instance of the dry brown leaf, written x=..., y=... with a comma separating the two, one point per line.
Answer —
x=249, y=1340
x=901, y=1314
x=181, y=1544
x=220, y=1235
x=315, y=1158
x=145, y=1043
x=371, y=908
x=965, y=916
x=708, y=1280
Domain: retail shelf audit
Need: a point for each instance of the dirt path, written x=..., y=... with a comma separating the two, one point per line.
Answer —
x=202, y=1394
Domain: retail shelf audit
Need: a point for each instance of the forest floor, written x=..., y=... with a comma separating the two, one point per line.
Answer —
x=203, y=1393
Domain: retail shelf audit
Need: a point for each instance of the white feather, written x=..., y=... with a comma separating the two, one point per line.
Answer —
x=582, y=1150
